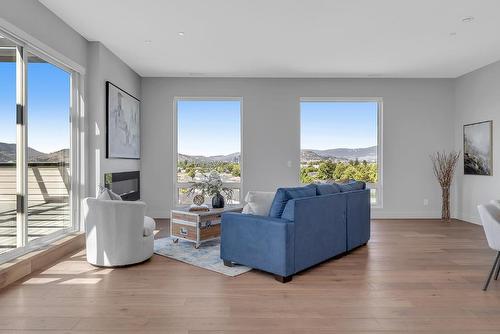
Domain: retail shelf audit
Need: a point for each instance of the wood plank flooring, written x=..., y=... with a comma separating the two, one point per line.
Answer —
x=420, y=276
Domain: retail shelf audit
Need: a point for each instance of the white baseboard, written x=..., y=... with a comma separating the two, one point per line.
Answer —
x=376, y=214
x=470, y=219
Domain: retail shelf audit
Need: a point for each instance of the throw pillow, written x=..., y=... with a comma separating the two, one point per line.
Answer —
x=103, y=194
x=106, y=194
x=114, y=196
x=258, y=202
x=327, y=188
x=352, y=186
x=283, y=195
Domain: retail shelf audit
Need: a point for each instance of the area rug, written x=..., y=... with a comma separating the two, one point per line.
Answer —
x=206, y=257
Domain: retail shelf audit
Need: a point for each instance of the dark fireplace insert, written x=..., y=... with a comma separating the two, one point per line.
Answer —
x=125, y=184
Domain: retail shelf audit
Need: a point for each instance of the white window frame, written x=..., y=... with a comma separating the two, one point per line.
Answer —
x=380, y=159
x=178, y=185
x=26, y=44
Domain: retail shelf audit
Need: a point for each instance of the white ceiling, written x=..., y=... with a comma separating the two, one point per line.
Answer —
x=291, y=38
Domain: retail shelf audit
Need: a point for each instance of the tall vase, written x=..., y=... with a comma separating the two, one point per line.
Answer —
x=445, y=209
x=218, y=201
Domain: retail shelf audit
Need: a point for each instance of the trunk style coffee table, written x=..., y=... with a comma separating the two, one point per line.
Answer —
x=198, y=226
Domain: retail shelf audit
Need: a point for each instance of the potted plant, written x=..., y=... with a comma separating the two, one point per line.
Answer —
x=444, y=167
x=212, y=186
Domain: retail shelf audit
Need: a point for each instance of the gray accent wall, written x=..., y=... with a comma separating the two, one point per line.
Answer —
x=105, y=66
x=33, y=19
x=417, y=120
x=477, y=98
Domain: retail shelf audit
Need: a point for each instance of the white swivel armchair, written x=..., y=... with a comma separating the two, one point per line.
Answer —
x=118, y=232
x=490, y=218
x=496, y=202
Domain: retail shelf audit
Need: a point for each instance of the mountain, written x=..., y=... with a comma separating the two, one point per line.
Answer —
x=310, y=155
x=366, y=153
x=338, y=154
x=8, y=154
x=233, y=157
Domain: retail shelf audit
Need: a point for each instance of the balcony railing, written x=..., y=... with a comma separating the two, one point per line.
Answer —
x=48, y=201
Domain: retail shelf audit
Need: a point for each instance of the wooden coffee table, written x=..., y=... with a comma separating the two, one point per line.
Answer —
x=198, y=226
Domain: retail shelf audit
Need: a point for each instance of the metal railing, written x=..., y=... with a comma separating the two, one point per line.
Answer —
x=48, y=200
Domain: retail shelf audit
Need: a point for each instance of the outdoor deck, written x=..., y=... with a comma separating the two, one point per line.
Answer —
x=48, y=203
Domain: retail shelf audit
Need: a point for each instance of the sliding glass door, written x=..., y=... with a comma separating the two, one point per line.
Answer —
x=49, y=180
x=36, y=169
x=8, y=147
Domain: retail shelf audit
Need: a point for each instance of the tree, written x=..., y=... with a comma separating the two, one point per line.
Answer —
x=326, y=170
x=235, y=170
x=304, y=176
x=191, y=172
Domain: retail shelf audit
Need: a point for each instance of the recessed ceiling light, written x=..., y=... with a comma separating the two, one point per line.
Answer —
x=181, y=33
x=148, y=41
x=468, y=19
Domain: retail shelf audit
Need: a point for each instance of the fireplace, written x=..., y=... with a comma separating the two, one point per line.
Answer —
x=125, y=184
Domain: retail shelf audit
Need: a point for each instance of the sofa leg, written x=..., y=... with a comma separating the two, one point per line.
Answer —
x=283, y=279
x=228, y=263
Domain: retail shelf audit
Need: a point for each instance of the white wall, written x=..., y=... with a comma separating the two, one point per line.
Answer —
x=35, y=19
x=105, y=66
x=477, y=98
x=417, y=121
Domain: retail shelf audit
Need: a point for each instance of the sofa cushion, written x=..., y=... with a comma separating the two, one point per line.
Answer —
x=283, y=195
x=149, y=226
x=352, y=186
x=258, y=202
x=327, y=188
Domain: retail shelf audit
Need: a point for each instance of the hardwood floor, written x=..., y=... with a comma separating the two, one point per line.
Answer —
x=419, y=276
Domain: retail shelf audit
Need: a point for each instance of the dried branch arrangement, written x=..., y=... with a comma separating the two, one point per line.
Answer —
x=444, y=168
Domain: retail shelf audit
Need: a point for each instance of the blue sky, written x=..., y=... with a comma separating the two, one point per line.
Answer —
x=213, y=127
x=48, y=106
x=326, y=125
x=208, y=127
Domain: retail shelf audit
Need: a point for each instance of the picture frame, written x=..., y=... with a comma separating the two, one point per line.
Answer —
x=478, y=148
x=123, y=124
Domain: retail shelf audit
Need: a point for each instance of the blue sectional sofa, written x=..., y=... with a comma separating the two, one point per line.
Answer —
x=305, y=226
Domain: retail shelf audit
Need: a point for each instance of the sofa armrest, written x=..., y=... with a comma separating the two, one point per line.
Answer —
x=259, y=242
x=358, y=218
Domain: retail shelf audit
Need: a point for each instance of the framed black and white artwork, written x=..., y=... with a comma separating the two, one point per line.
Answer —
x=123, y=118
x=478, y=148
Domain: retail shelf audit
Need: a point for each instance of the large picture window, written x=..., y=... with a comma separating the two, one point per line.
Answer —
x=341, y=140
x=208, y=140
x=36, y=141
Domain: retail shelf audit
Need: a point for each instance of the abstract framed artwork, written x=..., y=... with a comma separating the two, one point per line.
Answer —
x=478, y=148
x=123, y=140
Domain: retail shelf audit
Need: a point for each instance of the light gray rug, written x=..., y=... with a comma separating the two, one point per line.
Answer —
x=207, y=256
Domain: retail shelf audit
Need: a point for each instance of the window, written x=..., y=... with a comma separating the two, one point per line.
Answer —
x=341, y=140
x=208, y=140
x=36, y=149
